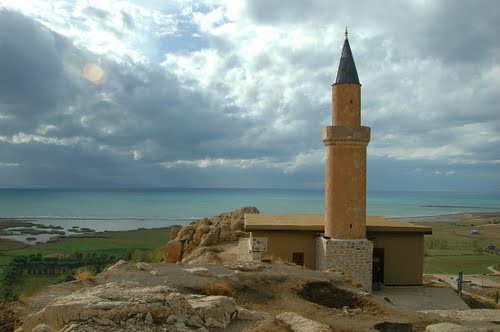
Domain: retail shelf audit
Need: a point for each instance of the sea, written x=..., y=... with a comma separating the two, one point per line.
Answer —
x=133, y=208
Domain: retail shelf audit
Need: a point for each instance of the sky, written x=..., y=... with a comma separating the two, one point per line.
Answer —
x=110, y=93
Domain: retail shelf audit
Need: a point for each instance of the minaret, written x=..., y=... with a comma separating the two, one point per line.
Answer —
x=346, y=142
x=345, y=244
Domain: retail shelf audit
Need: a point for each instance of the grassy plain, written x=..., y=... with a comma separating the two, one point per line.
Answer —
x=142, y=244
x=451, y=248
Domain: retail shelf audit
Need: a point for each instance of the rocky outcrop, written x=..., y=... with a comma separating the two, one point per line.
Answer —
x=128, y=306
x=203, y=233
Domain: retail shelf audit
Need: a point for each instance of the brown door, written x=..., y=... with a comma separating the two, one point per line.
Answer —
x=298, y=258
x=378, y=265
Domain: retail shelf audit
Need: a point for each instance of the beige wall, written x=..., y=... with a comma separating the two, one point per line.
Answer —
x=283, y=243
x=403, y=252
x=403, y=257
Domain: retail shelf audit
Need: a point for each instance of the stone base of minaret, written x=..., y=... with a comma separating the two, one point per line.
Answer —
x=350, y=256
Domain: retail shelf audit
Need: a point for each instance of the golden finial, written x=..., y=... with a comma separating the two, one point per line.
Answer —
x=346, y=32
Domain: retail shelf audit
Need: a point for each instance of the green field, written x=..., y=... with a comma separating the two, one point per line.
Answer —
x=140, y=245
x=451, y=249
x=31, y=284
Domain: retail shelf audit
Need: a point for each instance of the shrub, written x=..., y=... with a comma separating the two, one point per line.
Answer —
x=219, y=288
x=148, y=256
x=84, y=274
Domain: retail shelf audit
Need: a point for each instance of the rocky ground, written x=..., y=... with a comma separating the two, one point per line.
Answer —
x=208, y=290
x=217, y=297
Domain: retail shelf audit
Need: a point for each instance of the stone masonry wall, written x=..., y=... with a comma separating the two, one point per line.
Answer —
x=350, y=256
x=245, y=252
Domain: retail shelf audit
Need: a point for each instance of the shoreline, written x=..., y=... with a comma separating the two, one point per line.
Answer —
x=460, y=216
x=30, y=232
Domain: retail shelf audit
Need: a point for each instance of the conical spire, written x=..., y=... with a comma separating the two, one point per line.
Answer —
x=347, y=72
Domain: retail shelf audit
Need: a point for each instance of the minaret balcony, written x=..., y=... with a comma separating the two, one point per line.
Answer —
x=346, y=135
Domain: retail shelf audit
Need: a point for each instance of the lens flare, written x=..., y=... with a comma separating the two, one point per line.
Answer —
x=94, y=73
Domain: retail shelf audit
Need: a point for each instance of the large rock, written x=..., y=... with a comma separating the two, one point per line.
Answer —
x=216, y=311
x=186, y=233
x=226, y=234
x=200, y=231
x=297, y=323
x=173, y=252
x=129, y=306
x=206, y=232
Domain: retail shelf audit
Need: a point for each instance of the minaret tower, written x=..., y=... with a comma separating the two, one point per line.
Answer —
x=345, y=245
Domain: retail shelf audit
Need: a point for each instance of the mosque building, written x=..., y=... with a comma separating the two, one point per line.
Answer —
x=371, y=249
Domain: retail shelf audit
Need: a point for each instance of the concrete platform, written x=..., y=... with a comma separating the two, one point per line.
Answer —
x=421, y=298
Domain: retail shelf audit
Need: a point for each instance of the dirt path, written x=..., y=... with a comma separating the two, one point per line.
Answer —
x=452, y=282
x=492, y=269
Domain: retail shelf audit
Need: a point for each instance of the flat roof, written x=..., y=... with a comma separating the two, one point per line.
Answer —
x=316, y=222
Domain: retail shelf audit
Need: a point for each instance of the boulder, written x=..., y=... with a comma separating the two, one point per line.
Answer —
x=200, y=231
x=226, y=234
x=173, y=252
x=188, y=247
x=298, y=323
x=185, y=233
x=215, y=311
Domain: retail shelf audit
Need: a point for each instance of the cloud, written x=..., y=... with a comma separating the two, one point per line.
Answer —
x=300, y=161
x=119, y=30
x=8, y=164
x=126, y=93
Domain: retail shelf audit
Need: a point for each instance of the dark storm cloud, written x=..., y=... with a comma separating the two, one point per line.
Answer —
x=33, y=82
x=452, y=30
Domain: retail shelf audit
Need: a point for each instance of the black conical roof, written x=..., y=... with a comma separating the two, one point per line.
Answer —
x=347, y=72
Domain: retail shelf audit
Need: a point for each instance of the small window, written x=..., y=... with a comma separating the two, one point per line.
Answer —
x=298, y=258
